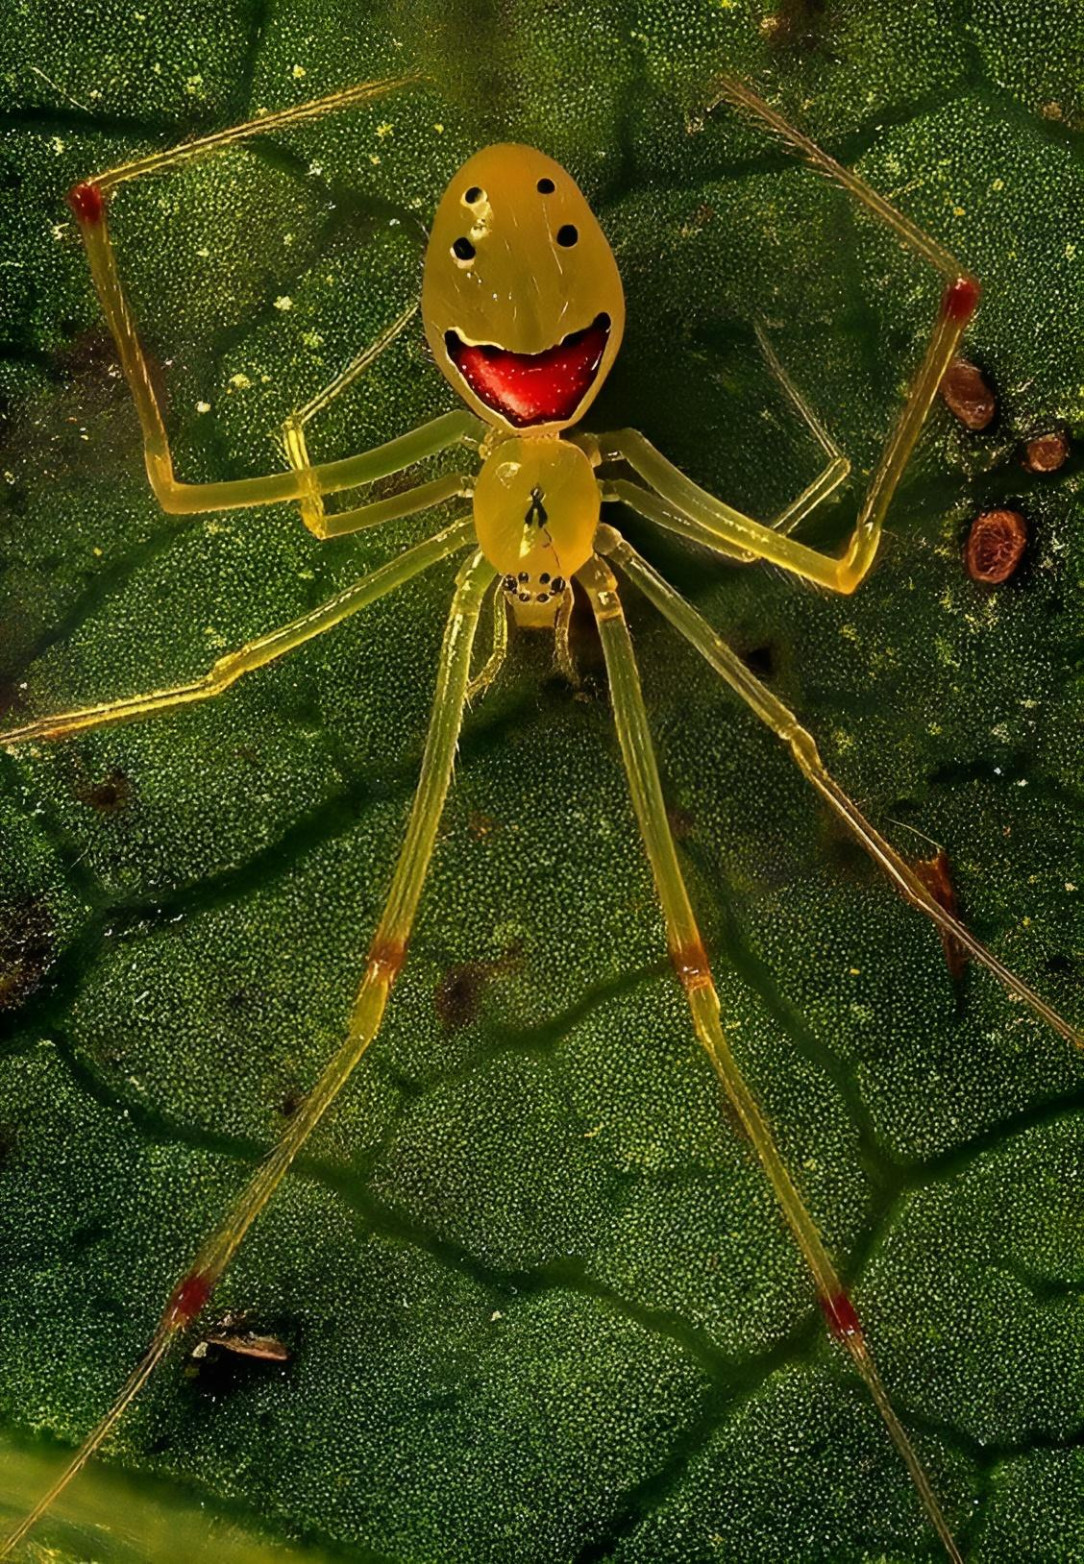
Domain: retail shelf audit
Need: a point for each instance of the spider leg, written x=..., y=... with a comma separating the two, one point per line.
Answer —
x=254, y=654
x=453, y=486
x=830, y=477
x=823, y=486
x=89, y=202
x=785, y=725
x=691, y=964
x=489, y=670
x=387, y=953
x=562, y=647
x=295, y=445
x=741, y=533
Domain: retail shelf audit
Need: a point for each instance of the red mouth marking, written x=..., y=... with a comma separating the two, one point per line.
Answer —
x=533, y=388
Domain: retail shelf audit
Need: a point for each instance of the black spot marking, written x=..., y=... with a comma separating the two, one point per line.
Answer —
x=523, y=576
x=463, y=250
x=473, y=195
x=544, y=577
x=567, y=235
x=558, y=583
x=545, y=186
x=536, y=511
x=509, y=583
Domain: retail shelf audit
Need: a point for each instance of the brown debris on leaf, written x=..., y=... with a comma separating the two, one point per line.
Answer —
x=966, y=393
x=934, y=874
x=233, y=1336
x=995, y=546
x=1046, y=452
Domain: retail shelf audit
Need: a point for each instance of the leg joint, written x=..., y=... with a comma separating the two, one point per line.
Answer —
x=690, y=962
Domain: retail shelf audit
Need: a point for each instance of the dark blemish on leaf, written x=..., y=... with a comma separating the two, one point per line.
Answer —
x=244, y=998
x=292, y=1099
x=995, y=546
x=9, y=1142
x=1046, y=452
x=110, y=795
x=90, y=355
x=968, y=395
x=760, y=660
x=682, y=823
x=796, y=24
x=934, y=874
x=27, y=949
x=11, y=697
x=458, y=995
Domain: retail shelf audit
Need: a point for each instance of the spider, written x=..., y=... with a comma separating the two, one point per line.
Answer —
x=523, y=309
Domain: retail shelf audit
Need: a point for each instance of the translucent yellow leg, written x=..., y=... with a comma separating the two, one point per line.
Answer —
x=831, y=476
x=785, y=725
x=562, y=646
x=294, y=442
x=493, y=664
x=454, y=486
x=89, y=203
x=691, y=964
x=740, y=533
x=254, y=654
x=387, y=953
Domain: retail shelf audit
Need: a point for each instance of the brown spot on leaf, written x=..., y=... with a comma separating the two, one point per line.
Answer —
x=1046, y=452
x=458, y=995
x=796, y=24
x=27, y=949
x=481, y=825
x=995, y=546
x=110, y=795
x=934, y=874
x=682, y=822
x=292, y=1098
x=966, y=392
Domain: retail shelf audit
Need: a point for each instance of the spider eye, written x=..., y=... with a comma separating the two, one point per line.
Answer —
x=474, y=195
x=545, y=187
x=567, y=235
x=463, y=251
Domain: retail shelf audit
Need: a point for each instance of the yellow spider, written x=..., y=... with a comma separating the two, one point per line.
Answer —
x=523, y=309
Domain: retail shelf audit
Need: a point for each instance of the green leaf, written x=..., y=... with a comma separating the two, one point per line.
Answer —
x=535, y=1294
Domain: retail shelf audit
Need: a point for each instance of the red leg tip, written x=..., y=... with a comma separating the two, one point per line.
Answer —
x=87, y=202
x=842, y=1316
x=188, y=1299
x=961, y=299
